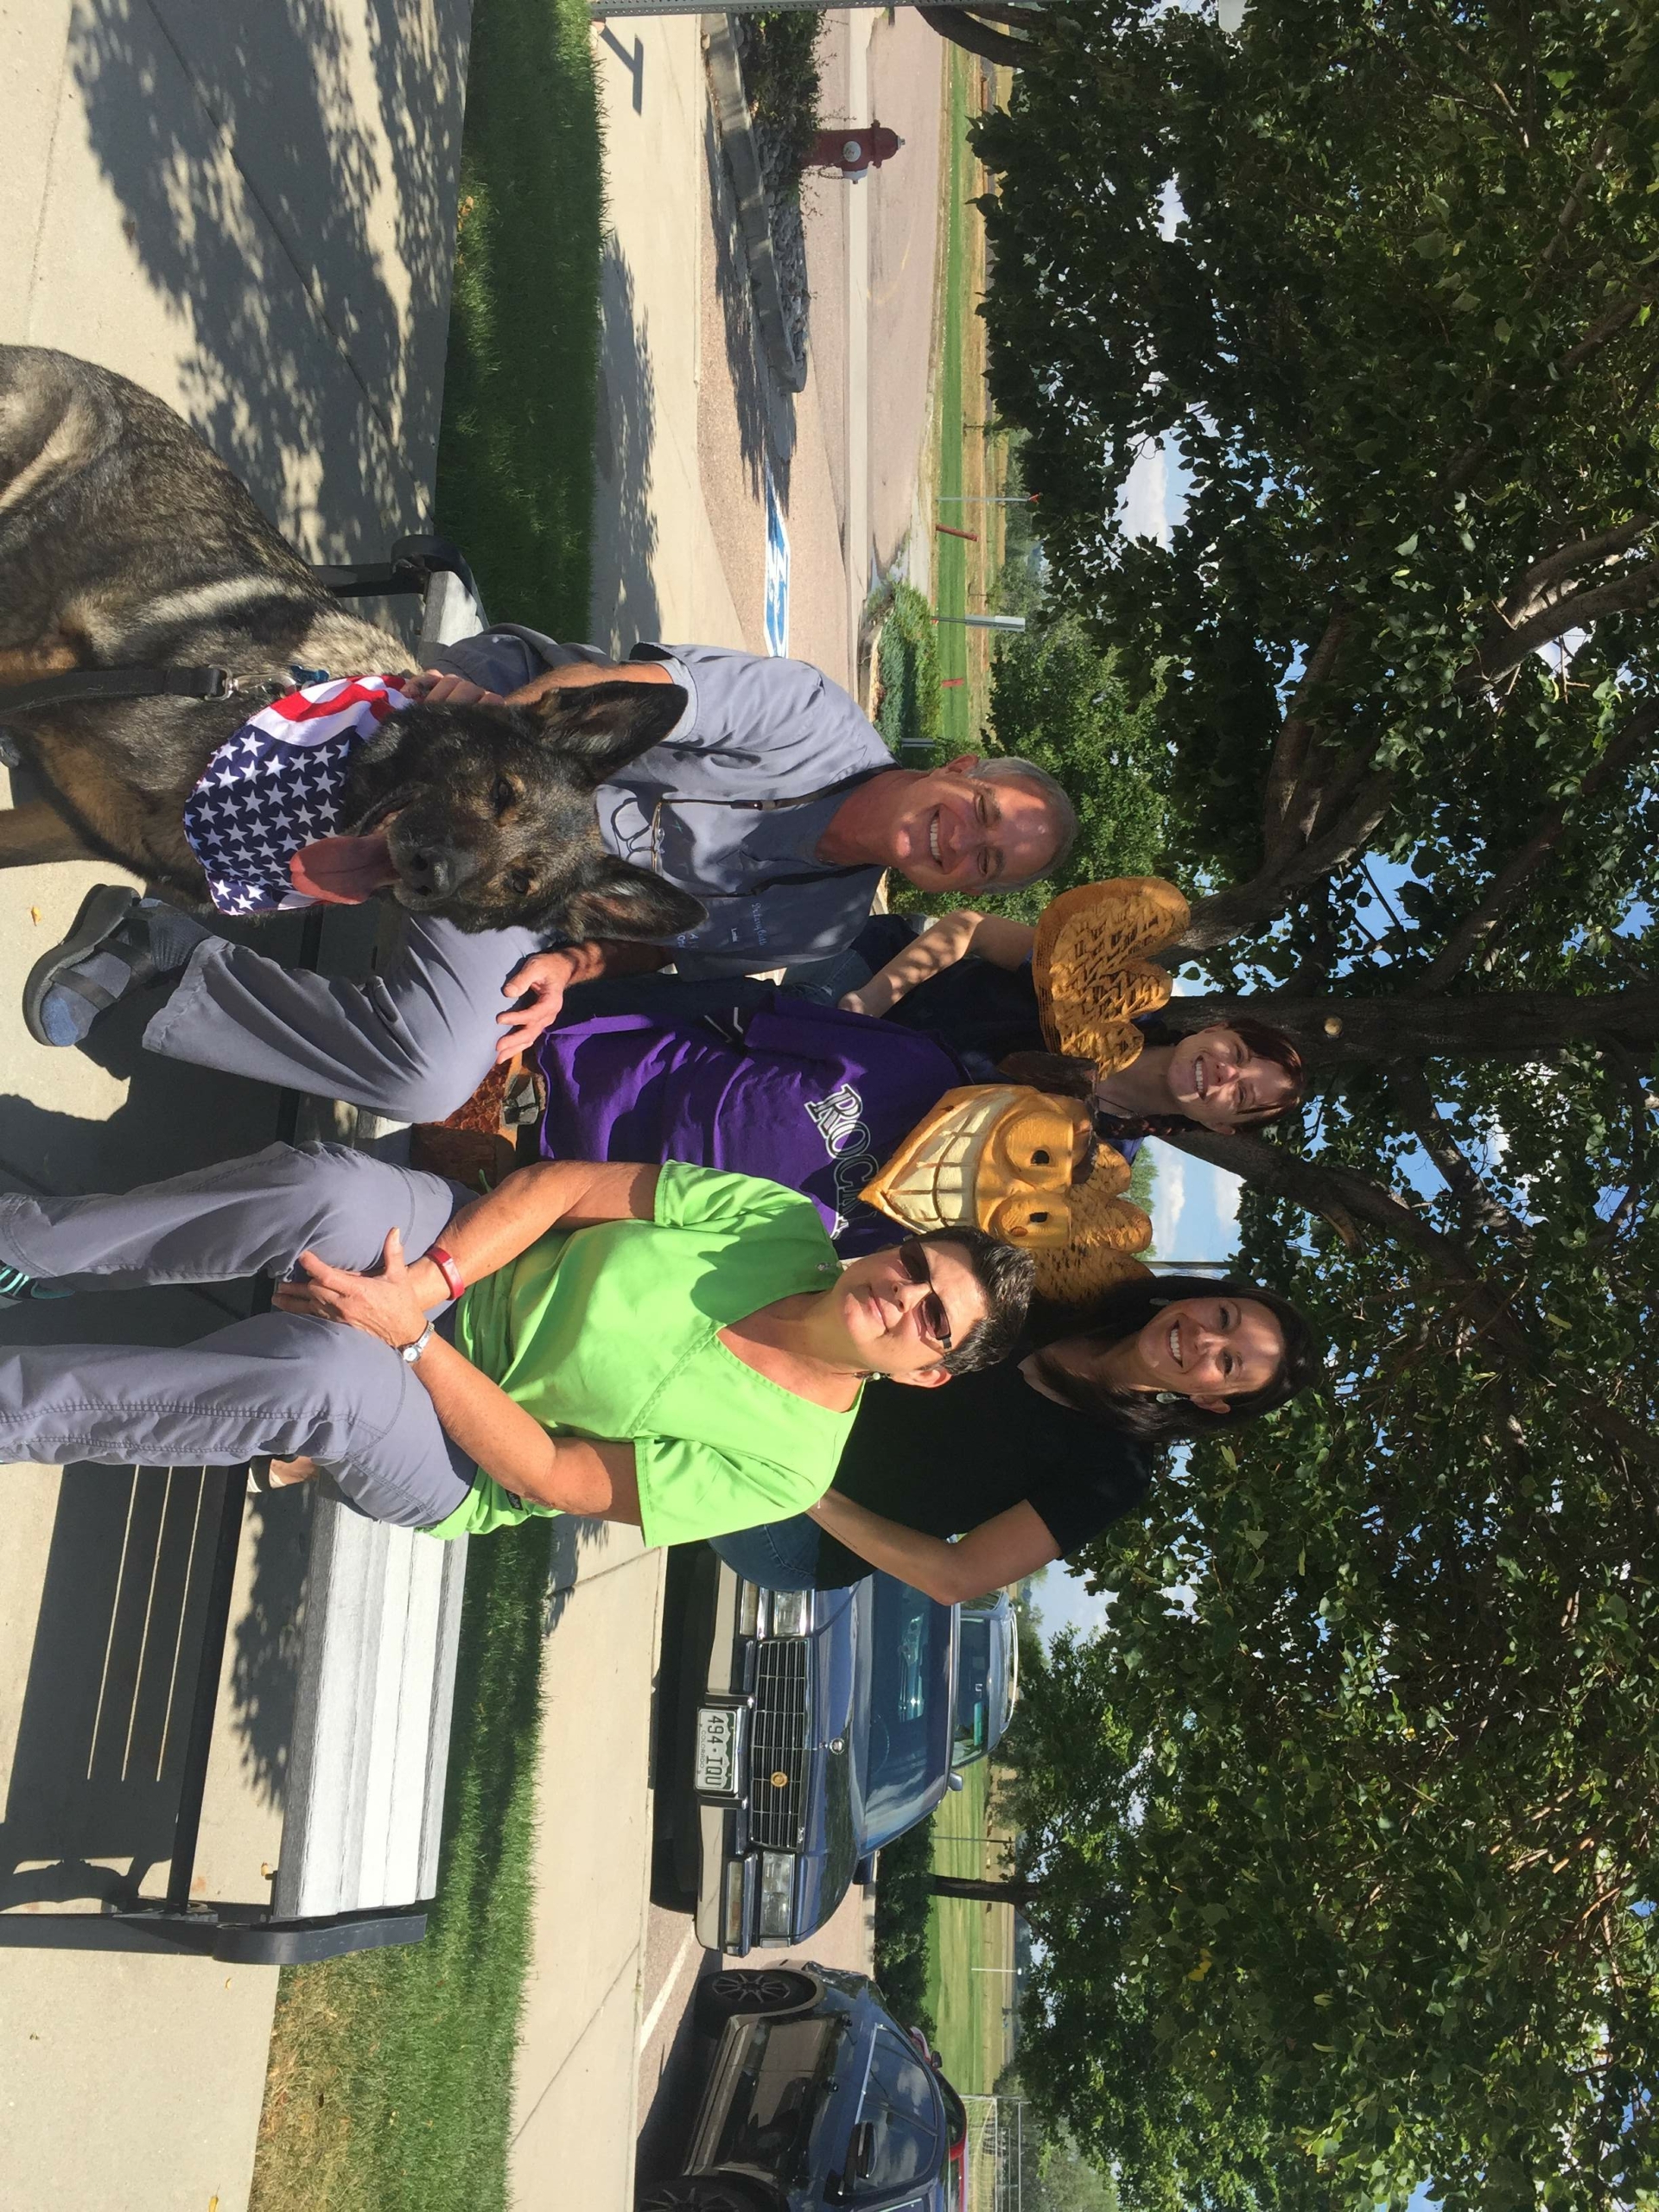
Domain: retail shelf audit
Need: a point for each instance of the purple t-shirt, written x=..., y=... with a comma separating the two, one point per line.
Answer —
x=805, y=1094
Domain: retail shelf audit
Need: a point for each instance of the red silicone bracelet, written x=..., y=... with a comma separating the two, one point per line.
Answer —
x=444, y=1262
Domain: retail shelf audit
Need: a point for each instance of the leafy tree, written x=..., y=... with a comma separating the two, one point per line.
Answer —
x=1057, y=699
x=902, y=1897
x=1340, y=1896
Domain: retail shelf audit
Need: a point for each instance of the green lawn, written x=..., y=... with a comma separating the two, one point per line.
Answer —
x=516, y=450
x=965, y=1938
x=390, y=2075
x=951, y=554
x=391, y=2072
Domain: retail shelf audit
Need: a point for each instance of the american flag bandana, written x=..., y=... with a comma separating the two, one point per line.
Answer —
x=275, y=788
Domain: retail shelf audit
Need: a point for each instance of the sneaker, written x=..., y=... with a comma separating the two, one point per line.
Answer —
x=18, y=1289
x=118, y=943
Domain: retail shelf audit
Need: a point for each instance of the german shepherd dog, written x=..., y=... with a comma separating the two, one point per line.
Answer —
x=125, y=543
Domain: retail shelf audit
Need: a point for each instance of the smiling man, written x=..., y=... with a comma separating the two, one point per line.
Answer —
x=768, y=796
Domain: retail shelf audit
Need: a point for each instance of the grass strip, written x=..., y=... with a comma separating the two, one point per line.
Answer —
x=515, y=482
x=966, y=2004
x=390, y=2077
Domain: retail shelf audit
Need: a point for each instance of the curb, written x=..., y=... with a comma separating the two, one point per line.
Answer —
x=737, y=142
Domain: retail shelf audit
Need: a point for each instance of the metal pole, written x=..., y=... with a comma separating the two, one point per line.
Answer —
x=985, y=621
x=986, y=499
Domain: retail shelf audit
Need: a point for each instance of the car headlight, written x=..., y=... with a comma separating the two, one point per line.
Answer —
x=749, y=1609
x=791, y=1612
x=777, y=1891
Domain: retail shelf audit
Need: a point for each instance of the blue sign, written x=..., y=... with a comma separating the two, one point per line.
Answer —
x=777, y=574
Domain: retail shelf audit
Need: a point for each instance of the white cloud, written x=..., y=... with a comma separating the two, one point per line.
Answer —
x=1145, y=504
x=1063, y=1602
x=1227, y=1190
x=1168, y=1199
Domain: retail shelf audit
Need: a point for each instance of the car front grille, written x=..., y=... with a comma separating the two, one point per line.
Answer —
x=778, y=1746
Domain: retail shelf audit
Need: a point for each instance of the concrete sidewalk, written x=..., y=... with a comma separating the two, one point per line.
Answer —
x=251, y=210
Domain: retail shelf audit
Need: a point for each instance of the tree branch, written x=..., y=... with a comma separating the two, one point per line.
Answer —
x=1608, y=327
x=1345, y=1198
x=1336, y=1034
x=1480, y=1207
x=1290, y=751
x=1511, y=879
x=1568, y=561
x=1248, y=905
x=1568, y=221
x=1579, y=610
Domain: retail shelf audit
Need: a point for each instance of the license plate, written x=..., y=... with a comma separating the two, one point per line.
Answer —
x=714, y=1764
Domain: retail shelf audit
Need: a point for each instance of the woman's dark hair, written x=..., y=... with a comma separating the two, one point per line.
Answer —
x=1123, y=1312
x=1006, y=1275
x=1067, y=1077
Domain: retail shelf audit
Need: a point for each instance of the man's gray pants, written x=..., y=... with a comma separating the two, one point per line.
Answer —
x=413, y=1042
x=280, y=1383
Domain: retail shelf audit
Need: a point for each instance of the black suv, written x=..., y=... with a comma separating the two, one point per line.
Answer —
x=814, y=2096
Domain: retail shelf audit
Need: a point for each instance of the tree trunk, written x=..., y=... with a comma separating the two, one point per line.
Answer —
x=1021, y=1894
x=962, y=28
x=1335, y=1034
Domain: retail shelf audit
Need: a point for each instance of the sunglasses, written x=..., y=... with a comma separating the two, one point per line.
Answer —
x=936, y=1322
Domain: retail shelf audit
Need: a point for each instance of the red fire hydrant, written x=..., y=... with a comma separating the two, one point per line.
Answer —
x=853, y=150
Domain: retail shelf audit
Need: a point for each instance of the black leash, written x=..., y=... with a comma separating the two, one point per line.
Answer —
x=80, y=684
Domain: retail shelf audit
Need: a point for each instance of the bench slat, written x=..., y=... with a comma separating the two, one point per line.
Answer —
x=364, y=1796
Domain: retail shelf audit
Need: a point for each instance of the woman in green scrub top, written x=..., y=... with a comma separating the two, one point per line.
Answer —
x=674, y=1346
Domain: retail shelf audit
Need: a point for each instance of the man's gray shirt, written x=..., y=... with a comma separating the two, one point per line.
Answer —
x=754, y=728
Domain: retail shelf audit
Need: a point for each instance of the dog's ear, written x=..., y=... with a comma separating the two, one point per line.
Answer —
x=618, y=900
x=604, y=726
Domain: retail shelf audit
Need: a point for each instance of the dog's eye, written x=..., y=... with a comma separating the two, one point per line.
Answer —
x=519, y=880
x=504, y=796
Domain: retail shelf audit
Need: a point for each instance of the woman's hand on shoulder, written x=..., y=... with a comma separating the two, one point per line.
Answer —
x=383, y=1305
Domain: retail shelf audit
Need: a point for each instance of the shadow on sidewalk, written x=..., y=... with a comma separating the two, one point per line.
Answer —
x=622, y=443
x=256, y=200
x=765, y=412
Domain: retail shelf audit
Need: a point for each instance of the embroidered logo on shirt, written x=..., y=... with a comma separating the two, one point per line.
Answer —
x=276, y=786
x=839, y=1120
x=837, y=1117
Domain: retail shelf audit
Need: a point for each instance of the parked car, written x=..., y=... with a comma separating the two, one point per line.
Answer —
x=988, y=1677
x=814, y=2096
x=804, y=1730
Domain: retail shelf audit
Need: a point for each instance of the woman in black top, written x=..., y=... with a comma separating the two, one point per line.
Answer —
x=1029, y=1461
x=967, y=978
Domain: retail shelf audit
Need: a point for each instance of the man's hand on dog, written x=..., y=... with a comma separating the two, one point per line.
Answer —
x=434, y=688
x=541, y=983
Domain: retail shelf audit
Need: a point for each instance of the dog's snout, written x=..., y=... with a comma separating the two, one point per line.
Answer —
x=436, y=870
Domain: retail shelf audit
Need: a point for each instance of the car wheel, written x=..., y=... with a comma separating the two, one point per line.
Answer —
x=723, y=1997
x=695, y=2193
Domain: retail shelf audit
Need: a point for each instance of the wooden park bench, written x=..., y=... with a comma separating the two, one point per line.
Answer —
x=364, y=1787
